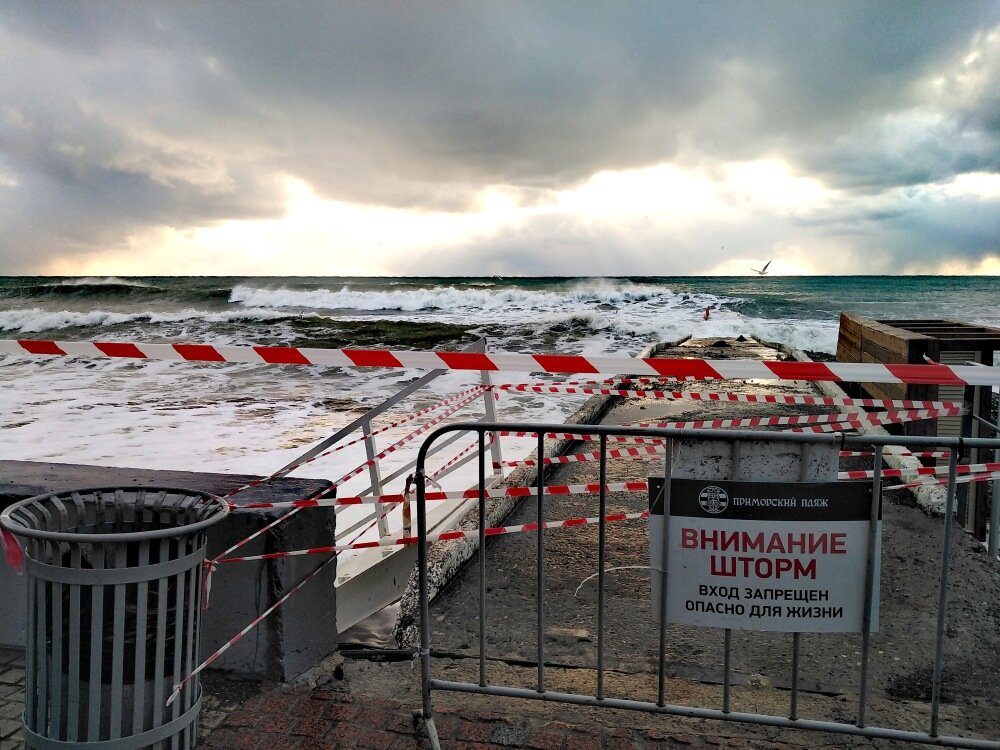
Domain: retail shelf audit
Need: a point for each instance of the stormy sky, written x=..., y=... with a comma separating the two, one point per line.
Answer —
x=568, y=138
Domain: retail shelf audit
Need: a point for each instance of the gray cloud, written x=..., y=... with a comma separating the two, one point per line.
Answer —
x=123, y=116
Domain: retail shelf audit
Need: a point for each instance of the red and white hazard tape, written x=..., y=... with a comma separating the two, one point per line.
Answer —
x=642, y=452
x=314, y=501
x=257, y=482
x=937, y=482
x=751, y=398
x=875, y=417
x=681, y=369
x=443, y=537
x=254, y=623
x=583, y=436
x=400, y=443
x=916, y=454
x=490, y=493
x=461, y=454
x=920, y=471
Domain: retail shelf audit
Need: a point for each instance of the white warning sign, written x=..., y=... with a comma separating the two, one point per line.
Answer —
x=788, y=557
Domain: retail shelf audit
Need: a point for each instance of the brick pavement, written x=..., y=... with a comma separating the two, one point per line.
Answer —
x=279, y=717
x=287, y=719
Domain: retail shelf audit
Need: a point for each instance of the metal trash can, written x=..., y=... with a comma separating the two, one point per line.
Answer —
x=114, y=580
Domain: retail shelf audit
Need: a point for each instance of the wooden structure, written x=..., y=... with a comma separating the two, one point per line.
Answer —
x=915, y=342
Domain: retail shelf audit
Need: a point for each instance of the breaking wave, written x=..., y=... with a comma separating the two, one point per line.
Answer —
x=35, y=319
x=442, y=298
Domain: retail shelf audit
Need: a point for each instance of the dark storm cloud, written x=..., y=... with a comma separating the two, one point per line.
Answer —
x=119, y=116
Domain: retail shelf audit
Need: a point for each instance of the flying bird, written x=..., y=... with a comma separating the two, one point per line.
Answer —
x=762, y=271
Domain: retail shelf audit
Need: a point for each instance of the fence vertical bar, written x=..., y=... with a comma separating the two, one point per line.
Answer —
x=993, y=546
x=425, y=609
x=727, y=657
x=727, y=671
x=661, y=689
x=949, y=513
x=540, y=556
x=601, y=541
x=490, y=413
x=482, y=558
x=793, y=709
x=793, y=712
x=866, y=616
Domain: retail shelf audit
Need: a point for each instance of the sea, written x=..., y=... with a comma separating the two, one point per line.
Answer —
x=254, y=419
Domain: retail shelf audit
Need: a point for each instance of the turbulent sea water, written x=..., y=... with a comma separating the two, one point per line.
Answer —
x=254, y=419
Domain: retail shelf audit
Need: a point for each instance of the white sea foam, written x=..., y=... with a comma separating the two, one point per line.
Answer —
x=447, y=298
x=103, y=281
x=35, y=319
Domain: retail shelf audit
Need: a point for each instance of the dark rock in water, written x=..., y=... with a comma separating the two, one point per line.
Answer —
x=820, y=356
x=720, y=342
x=741, y=338
x=606, y=306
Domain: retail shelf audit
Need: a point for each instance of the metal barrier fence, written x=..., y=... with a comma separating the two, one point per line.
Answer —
x=661, y=706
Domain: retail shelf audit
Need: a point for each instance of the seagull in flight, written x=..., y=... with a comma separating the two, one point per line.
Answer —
x=762, y=271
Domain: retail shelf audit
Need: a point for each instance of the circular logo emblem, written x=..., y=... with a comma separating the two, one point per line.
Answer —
x=713, y=499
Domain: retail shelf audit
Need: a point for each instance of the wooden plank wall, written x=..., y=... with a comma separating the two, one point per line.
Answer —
x=866, y=340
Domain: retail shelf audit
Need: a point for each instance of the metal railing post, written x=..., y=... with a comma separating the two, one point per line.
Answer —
x=489, y=404
x=374, y=473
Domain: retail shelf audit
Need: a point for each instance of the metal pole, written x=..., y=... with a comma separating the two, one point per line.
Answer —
x=727, y=658
x=425, y=608
x=540, y=560
x=661, y=692
x=793, y=709
x=866, y=615
x=949, y=513
x=482, y=559
x=993, y=545
x=727, y=672
x=601, y=541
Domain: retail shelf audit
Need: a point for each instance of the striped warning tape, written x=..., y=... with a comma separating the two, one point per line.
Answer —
x=751, y=398
x=937, y=482
x=916, y=454
x=681, y=369
x=314, y=500
x=365, y=436
x=419, y=431
x=562, y=489
x=875, y=417
x=472, y=494
x=442, y=537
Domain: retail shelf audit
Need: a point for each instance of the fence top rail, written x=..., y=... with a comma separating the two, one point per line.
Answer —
x=836, y=438
x=680, y=369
